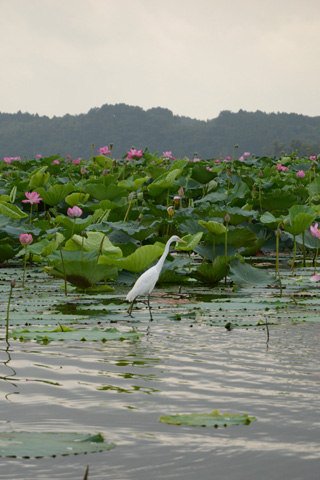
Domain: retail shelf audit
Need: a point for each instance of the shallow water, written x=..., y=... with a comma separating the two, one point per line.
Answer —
x=121, y=388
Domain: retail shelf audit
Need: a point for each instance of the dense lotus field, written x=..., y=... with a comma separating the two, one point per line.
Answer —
x=90, y=228
x=97, y=221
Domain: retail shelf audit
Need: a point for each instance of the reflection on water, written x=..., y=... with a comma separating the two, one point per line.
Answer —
x=121, y=388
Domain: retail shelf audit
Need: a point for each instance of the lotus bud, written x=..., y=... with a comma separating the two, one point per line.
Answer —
x=170, y=211
x=260, y=174
x=104, y=172
x=13, y=283
x=227, y=218
x=181, y=192
x=176, y=199
x=83, y=170
x=84, y=234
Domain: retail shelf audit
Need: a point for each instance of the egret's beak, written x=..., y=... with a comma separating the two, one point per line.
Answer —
x=180, y=240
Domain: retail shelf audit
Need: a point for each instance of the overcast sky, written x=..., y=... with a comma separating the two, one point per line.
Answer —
x=194, y=57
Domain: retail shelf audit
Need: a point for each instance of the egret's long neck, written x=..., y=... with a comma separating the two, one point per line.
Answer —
x=163, y=256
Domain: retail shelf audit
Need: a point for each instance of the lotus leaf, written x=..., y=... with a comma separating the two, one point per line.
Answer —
x=213, y=419
x=47, y=334
x=11, y=210
x=101, y=192
x=301, y=217
x=82, y=274
x=137, y=261
x=191, y=242
x=211, y=273
x=55, y=194
x=93, y=242
x=76, y=198
x=216, y=228
x=39, y=444
x=245, y=273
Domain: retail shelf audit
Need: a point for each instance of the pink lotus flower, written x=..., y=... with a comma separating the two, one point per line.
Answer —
x=312, y=157
x=133, y=153
x=195, y=160
x=241, y=159
x=32, y=197
x=217, y=160
x=227, y=159
x=104, y=150
x=209, y=169
x=181, y=191
x=74, y=212
x=282, y=168
x=76, y=161
x=315, y=232
x=301, y=174
x=25, y=239
x=56, y=162
x=315, y=278
x=7, y=159
x=246, y=154
x=39, y=156
x=168, y=155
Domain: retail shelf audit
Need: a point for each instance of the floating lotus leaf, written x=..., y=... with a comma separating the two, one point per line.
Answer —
x=245, y=273
x=76, y=198
x=11, y=210
x=50, y=444
x=137, y=261
x=56, y=194
x=47, y=334
x=213, y=419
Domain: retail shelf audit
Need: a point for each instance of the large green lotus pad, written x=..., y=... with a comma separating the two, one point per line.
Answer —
x=47, y=334
x=38, y=444
x=213, y=419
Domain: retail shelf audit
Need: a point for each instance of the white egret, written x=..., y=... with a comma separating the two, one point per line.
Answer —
x=146, y=282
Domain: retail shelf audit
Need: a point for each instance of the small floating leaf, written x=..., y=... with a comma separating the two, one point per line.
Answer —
x=213, y=419
x=38, y=444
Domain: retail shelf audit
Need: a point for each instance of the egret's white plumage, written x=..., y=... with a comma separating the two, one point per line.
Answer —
x=146, y=282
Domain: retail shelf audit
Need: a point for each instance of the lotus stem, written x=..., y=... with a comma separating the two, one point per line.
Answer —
x=294, y=254
x=213, y=247
x=25, y=265
x=30, y=214
x=316, y=257
x=304, y=249
x=100, y=247
x=64, y=272
x=13, y=284
x=278, y=233
x=226, y=219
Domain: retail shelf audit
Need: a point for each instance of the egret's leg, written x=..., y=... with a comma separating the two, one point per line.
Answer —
x=149, y=307
x=130, y=308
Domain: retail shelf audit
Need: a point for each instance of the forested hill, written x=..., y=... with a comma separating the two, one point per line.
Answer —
x=26, y=135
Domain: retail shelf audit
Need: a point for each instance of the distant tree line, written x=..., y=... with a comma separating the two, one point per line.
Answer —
x=26, y=135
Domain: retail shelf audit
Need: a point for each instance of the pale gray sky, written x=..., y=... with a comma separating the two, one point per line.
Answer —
x=194, y=57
